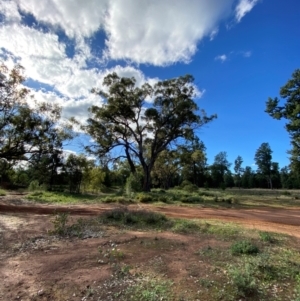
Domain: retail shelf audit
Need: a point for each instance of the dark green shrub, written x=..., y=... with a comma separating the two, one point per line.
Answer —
x=266, y=236
x=145, y=198
x=243, y=247
x=192, y=200
x=190, y=188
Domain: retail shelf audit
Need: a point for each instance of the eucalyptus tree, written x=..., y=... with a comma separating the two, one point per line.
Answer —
x=143, y=121
x=238, y=169
x=193, y=161
x=289, y=111
x=263, y=160
x=219, y=168
x=27, y=129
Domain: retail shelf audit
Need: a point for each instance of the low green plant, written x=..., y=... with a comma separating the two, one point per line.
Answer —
x=185, y=226
x=243, y=247
x=190, y=188
x=297, y=289
x=193, y=199
x=244, y=280
x=34, y=185
x=60, y=224
x=266, y=237
x=145, y=198
x=137, y=218
x=150, y=290
x=2, y=192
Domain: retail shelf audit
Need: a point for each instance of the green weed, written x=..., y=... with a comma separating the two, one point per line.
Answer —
x=150, y=290
x=137, y=218
x=243, y=247
x=266, y=237
x=244, y=280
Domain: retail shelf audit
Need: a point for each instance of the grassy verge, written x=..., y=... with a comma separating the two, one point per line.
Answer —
x=214, y=198
x=240, y=264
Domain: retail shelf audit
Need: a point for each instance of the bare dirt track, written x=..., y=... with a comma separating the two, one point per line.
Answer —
x=270, y=219
x=36, y=266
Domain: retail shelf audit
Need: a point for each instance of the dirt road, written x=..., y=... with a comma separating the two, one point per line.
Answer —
x=267, y=219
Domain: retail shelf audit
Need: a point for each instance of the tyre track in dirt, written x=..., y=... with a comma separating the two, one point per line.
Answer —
x=268, y=219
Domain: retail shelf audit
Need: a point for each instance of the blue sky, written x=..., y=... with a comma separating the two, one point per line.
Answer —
x=239, y=51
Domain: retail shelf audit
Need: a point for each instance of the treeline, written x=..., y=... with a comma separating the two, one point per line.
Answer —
x=184, y=167
x=143, y=137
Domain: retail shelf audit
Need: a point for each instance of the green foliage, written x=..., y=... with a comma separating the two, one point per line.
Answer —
x=60, y=197
x=185, y=226
x=34, y=185
x=243, y=278
x=26, y=130
x=289, y=111
x=243, y=247
x=141, y=218
x=145, y=198
x=190, y=188
x=120, y=122
x=193, y=199
x=266, y=237
x=133, y=184
x=150, y=290
x=60, y=224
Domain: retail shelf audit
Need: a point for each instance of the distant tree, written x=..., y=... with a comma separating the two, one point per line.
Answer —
x=291, y=112
x=263, y=160
x=166, y=168
x=27, y=129
x=75, y=167
x=193, y=161
x=228, y=179
x=141, y=129
x=219, y=168
x=248, y=178
x=44, y=167
x=238, y=170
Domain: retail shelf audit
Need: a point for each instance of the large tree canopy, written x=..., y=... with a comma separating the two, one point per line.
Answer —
x=144, y=120
x=289, y=111
x=26, y=131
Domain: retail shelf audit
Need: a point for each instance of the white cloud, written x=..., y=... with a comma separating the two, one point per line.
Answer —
x=157, y=32
x=214, y=33
x=160, y=32
x=244, y=7
x=222, y=58
x=76, y=17
x=247, y=53
x=10, y=11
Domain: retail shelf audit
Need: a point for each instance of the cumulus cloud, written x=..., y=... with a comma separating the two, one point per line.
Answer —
x=222, y=58
x=76, y=18
x=244, y=7
x=157, y=32
x=160, y=32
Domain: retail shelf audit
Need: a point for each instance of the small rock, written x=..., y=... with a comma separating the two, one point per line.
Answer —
x=40, y=292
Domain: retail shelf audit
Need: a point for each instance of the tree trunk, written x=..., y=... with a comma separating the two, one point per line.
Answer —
x=147, y=179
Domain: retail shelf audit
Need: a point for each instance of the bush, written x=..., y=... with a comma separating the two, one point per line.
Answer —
x=192, y=200
x=185, y=226
x=243, y=247
x=133, y=184
x=244, y=280
x=34, y=185
x=190, y=188
x=266, y=236
x=129, y=217
x=145, y=198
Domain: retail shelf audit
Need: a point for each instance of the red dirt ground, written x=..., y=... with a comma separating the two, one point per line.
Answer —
x=36, y=266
